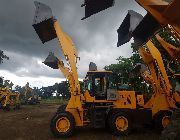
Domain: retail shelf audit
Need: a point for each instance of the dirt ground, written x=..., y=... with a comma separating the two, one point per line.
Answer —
x=32, y=123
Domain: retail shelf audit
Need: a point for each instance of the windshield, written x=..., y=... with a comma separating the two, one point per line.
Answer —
x=112, y=81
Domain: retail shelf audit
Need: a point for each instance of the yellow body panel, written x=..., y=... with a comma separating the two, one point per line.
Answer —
x=126, y=99
x=140, y=100
x=163, y=12
x=177, y=97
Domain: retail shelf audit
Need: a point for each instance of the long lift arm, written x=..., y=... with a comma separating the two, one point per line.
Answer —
x=48, y=28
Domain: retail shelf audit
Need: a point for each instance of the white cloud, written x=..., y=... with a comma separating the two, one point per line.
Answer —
x=34, y=82
x=94, y=38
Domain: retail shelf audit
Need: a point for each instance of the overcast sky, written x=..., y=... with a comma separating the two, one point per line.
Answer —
x=95, y=38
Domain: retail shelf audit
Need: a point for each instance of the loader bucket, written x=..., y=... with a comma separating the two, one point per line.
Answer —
x=44, y=22
x=134, y=25
x=51, y=61
x=127, y=27
x=94, y=6
x=145, y=30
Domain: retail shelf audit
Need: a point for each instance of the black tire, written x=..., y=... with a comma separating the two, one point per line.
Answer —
x=171, y=132
x=54, y=121
x=157, y=120
x=61, y=108
x=114, y=127
x=177, y=136
x=108, y=120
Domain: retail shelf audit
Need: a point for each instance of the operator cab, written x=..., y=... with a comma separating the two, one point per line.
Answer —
x=101, y=84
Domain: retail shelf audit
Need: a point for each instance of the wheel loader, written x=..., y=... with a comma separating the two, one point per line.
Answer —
x=102, y=104
x=159, y=14
x=8, y=99
x=29, y=97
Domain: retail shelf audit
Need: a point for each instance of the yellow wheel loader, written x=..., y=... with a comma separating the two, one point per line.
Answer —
x=8, y=99
x=29, y=97
x=102, y=104
x=160, y=13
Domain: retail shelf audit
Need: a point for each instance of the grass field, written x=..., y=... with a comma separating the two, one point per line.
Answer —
x=53, y=101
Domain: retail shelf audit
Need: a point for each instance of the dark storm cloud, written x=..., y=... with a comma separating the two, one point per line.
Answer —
x=19, y=40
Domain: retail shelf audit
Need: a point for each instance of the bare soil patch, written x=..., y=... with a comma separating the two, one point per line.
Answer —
x=32, y=123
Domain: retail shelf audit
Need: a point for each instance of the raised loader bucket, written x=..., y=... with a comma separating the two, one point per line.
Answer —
x=43, y=22
x=127, y=27
x=145, y=30
x=134, y=25
x=51, y=61
x=94, y=6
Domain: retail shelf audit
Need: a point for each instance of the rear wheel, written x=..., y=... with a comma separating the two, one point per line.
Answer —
x=63, y=124
x=162, y=120
x=120, y=123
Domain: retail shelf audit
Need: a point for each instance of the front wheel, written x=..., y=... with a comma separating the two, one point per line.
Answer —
x=120, y=123
x=63, y=124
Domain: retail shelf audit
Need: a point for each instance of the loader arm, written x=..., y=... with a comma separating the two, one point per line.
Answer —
x=160, y=82
x=67, y=74
x=70, y=54
x=48, y=28
x=174, y=52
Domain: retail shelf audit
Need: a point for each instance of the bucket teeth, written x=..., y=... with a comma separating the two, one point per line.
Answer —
x=44, y=22
x=51, y=61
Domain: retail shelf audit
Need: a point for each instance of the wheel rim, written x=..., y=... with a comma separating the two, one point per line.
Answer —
x=121, y=123
x=62, y=124
x=165, y=121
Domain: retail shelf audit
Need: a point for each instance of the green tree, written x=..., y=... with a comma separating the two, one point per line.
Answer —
x=62, y=90
x=124, y=70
